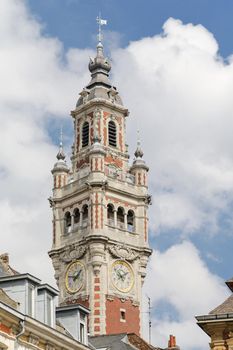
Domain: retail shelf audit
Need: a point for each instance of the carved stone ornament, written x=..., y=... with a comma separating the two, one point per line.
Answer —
x=33, y=339
x=97, y=113
x=51, y=202
x=84, y=93
x=148, y=199
x=123, y=252
x=73, y=253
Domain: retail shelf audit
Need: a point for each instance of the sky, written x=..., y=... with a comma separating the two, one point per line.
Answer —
x=173, y=66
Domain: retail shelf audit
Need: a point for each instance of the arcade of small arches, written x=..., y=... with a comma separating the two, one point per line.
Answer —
x=121, y=218
x=118, y=218
x=112, y=134
x=77, y=218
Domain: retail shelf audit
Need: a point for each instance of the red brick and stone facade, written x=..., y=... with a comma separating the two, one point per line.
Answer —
x=100, y=224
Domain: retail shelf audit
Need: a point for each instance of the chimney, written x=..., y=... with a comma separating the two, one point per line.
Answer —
x=172, y=343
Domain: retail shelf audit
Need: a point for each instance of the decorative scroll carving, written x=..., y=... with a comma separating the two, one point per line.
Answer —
x=73, y=253
x=123, y=252
x=49, y=346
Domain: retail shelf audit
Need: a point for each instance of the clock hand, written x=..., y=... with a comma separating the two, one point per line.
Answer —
x=124, y=275
x=119, y=274
x=76, y=275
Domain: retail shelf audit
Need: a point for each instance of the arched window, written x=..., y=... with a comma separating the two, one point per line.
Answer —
x=110, y=214
x=67, y=222
x=85, y=215
x=112, y=135
x=76, y=216
x=85, y=134
x=120, y=218
x=130, y=221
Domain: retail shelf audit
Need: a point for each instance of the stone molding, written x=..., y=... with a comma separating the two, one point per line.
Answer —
x=123, y=252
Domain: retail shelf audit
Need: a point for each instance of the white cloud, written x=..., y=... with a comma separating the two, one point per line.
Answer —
x=179, y=93
x=39, y=81
x=180, y=278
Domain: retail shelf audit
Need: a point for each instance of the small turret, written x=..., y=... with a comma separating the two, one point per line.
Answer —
x=60, y=169
x=139, y=168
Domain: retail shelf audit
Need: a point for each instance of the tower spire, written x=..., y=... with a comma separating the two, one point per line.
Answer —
x=61, y=154
x=138, y=153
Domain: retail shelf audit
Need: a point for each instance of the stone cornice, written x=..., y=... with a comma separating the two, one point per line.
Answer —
x=99, y=102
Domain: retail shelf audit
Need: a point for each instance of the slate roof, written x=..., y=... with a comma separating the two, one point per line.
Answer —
x=225, y=308
x=110, y=342
x=122, y=341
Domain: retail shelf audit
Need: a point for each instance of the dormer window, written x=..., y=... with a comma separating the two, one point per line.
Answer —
x=85, y=134
x=112, y=139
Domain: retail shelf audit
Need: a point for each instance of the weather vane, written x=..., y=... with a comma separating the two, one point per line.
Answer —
x=101, y=22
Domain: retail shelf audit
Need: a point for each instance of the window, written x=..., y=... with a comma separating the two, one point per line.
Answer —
x=30, y=300
x=120, y=217
x=110, y=214
x=85, y=134
x=85, y=215
x=130, y=221
x=49, y=310
x=76, y=216
x=82, y=333
x=122, y=315
x=67, y=222
x=112, y=140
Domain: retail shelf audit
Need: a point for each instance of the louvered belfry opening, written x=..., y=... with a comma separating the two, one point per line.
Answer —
x=112, y=140
x=85, y=134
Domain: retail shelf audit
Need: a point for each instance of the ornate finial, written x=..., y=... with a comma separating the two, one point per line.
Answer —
x=100, y=23
x=61, y=154
x=138, y=153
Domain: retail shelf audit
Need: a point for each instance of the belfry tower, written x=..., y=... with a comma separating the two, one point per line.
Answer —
x=100, y=225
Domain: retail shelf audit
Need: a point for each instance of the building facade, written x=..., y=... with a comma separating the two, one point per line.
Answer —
x=100, y=223
x=218, y=324
x=29, y=318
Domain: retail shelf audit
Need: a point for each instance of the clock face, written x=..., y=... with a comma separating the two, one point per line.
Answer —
x=122, y=276
x=75, y=275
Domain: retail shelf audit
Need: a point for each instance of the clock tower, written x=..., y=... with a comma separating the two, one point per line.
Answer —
x=100, y=224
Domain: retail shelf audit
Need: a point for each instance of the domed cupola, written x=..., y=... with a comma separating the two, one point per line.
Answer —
x=100, y=86
x=99, y=64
